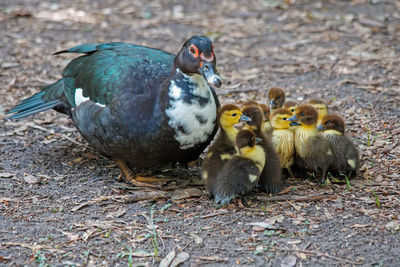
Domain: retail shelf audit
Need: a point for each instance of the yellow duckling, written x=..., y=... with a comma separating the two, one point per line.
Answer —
x=223, y=147
x=283, y=138
x=321, y=107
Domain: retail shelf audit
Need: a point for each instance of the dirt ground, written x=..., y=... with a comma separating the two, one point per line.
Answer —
x=61, y=203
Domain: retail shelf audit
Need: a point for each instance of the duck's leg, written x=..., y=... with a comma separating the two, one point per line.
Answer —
x=129, y=177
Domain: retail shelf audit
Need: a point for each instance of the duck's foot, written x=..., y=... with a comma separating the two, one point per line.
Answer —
x=128, y=176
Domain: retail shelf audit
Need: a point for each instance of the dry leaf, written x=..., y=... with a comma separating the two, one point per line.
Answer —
x=186, y=193
x=180, y=258
x=165, y=262
x=6, y=174
x=30, y=179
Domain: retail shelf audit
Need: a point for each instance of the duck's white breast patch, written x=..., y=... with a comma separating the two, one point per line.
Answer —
x=192, y=121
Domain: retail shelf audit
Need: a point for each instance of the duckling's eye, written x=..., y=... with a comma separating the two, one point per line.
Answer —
x=328, y=122
x=292, y=109
x=234, y=114
x=278, y=97
x=284, y=119
x=302, y=114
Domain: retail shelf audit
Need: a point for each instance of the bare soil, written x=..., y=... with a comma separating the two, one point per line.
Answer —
x=61, y=203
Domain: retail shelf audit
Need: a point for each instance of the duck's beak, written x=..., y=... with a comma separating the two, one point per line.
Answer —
x=320, y=127
x=210, y=73
x=245, y=118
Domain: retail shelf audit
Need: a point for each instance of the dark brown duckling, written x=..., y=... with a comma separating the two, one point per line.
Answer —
x=321, y=107
x=313, y=152
x=291, y=106
x=223, y=147
x=242, y=172
x=346, y=155
x=276, y=98
x=271, y=177
x=266, y=126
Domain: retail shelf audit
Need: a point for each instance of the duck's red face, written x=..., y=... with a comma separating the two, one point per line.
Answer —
x=197, y=57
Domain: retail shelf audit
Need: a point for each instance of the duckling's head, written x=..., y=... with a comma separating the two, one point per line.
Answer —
x=280, y=118
x=229, y=115
x=249, y=103
x=197, y=57
x=245, y=141
x=276, y=97
x=305, y=115
x=321, y=107
x=332, y=122
x=266, y=111
x=291, y=106
x=256, y=115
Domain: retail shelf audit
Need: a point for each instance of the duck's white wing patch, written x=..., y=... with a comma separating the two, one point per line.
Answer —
x=79, y=98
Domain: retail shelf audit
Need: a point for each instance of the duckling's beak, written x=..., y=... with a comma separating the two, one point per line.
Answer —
x=245, y=118
x=293, y=123
x=210, y=73
x=320, y=127
x=258, y=140
x=293, y=118
x=272, y=103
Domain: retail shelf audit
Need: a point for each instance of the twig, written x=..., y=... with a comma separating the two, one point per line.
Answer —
x=32, y=247
x=317, y=254
x=222, y=212
x=296, y=198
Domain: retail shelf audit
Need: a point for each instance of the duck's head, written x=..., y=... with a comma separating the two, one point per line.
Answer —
x=197, y=57
x=280, y=118
x=229, y=115
x=291, y=106
x=266, y=111
x=321, y=107
x=332, y=122
x=256, y=115
x=246, y=141
x=304, y=115
x=276, y=97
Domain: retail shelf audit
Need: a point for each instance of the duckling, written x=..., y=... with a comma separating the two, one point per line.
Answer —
x=271, y=176
x=291, y=106
x=266, y=125
x=249, y=103
x=346, y=155
x=276, y=98
x=313, y=152
x=283, y=138
x=321, y=107
x=223, y=147
x=242, y=172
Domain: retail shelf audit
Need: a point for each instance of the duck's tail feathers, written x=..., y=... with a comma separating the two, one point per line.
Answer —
x=48, y=98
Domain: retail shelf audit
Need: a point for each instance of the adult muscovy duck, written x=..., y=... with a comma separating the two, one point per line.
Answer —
x=137, y=104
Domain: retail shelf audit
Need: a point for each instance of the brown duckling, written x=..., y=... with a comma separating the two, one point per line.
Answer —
x=321, y=107
x=290, y=105
x=346, y=156
x=249, y=103
x=276, y=98
x=241, y=173
x=271, y=176
x=283, y=138
x=313, y=152
x=223, y=148
x=266, y=125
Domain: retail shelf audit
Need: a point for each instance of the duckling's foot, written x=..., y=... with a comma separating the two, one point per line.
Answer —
x=128, y=176
x=223, y=200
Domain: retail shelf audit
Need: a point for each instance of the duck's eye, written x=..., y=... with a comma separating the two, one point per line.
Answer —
x=194, y=50
x=234, y=114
